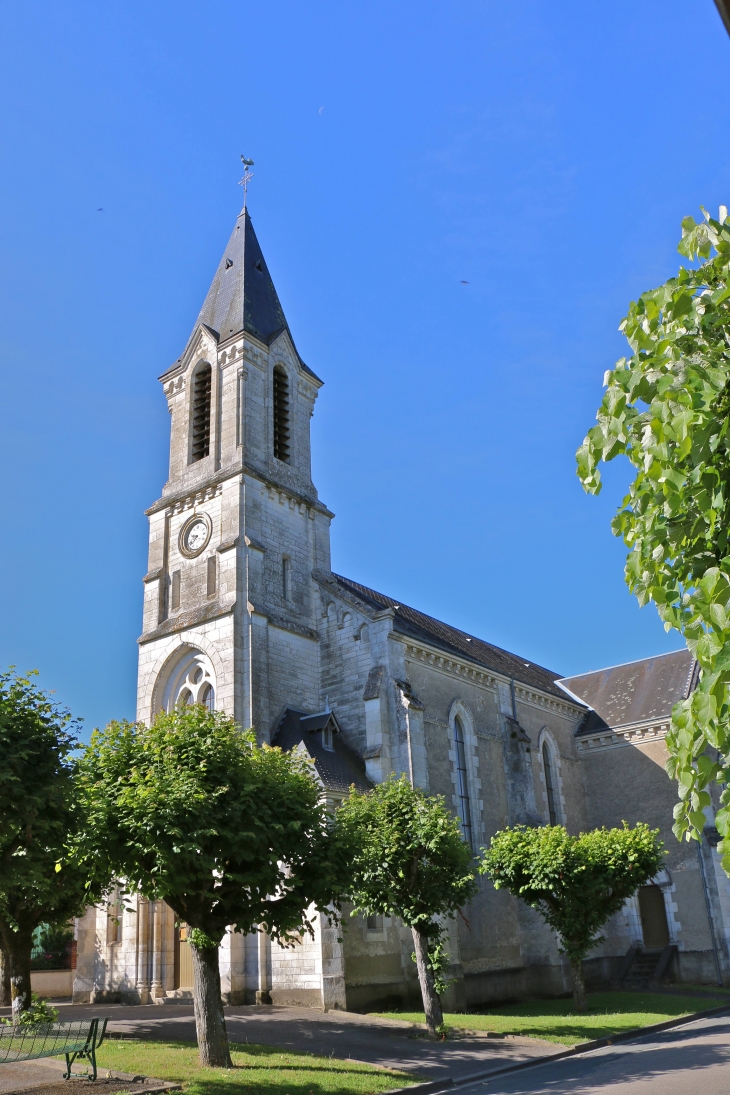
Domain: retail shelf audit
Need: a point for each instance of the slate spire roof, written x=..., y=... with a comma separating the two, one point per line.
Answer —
x=242, y=296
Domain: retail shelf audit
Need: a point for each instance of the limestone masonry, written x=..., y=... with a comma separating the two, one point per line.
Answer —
x=242, y=612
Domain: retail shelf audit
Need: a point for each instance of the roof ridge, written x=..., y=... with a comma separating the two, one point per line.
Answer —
x=620, y=665
x=544, y=678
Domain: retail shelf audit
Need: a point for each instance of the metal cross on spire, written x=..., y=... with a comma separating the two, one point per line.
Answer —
x=247, y=176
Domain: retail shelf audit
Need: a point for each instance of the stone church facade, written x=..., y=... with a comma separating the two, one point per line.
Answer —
x=243, y=612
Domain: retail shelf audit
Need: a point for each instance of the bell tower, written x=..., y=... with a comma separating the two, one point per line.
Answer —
x=230, y=606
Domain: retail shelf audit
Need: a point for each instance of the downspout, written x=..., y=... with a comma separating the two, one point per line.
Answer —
x=408, y=744
x=709, y=912
x=248, y=653
x=514, y=702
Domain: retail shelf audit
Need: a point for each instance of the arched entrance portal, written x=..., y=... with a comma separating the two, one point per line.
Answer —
x=654, y=925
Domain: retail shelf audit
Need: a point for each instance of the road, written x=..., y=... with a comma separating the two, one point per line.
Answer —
x=689, y=1060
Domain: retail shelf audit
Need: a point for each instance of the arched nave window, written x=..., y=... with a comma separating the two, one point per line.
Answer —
x=550, y=778
x=549, y=784
x=462, y=781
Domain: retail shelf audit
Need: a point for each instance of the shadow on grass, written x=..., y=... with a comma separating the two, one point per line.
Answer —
x=257, y=1070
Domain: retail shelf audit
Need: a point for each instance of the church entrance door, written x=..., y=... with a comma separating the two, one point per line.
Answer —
x=653, y=917
x=183, y=959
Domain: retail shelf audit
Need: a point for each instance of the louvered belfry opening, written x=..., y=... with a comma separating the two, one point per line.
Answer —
x=201, y=412
x=281, y=414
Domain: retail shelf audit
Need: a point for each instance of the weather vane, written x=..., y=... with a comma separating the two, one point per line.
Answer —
x=247, y=176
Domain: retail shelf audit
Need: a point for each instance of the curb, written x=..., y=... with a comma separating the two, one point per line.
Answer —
x=572, y=1051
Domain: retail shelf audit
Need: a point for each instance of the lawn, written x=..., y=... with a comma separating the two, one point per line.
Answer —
x=257, y=1070
x=608, y=1013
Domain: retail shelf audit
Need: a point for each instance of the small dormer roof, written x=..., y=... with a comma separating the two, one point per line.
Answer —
x=338, y=768
x=313, y=723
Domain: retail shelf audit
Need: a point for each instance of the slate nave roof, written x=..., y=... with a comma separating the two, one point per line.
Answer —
x=409, y=622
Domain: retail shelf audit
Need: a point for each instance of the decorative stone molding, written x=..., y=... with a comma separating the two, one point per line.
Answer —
x=618, y=738
x=175, y=385
x=283, y=622
x=230, y=354
x=205, y=494
x=185, y=620
x=452, y=665
x=295, y=503
x=227, y=545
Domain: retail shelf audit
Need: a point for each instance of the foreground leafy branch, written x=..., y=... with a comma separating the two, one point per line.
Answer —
x=666, y=408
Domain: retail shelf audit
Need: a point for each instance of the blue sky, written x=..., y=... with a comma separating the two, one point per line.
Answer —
x=456, y=201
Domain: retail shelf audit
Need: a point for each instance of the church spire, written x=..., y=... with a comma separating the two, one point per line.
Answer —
x=242, y=296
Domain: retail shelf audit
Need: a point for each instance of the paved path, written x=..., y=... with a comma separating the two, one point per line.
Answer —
x=337, y=1033
x=693, y=1059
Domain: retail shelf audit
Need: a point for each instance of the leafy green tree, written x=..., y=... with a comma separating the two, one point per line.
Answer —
x=667, y=408
x=407, y=858
x=51, y=947
x=192, y=812
x=575, y=882
x=4, y=977
x=39, y=819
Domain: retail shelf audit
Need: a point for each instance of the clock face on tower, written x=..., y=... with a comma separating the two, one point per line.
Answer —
x=195, y=535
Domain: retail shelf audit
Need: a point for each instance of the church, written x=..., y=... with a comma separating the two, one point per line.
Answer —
x=243, y=612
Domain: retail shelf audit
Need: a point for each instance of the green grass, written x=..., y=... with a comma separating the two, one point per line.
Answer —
x=608, y=1013
x=706, y=990
x=257, y=1070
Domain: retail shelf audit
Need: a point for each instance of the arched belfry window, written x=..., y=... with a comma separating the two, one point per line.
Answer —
x=281, y=414
x=462, y=782
x=202, y=385
x=550, y=783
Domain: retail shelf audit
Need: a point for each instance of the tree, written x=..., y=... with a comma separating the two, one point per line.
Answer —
x=667, y=408
x=575, y=882
x=192, y=812
x=39, y=817
x=5, y=997
x=407, y=859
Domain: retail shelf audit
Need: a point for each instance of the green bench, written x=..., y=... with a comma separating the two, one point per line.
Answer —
x=73, y=1040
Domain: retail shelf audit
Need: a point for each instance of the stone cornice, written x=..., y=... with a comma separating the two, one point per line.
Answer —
x=619, y=737
x=186, y=620
x=462, y=668
x=274, y=620
x=190, y=495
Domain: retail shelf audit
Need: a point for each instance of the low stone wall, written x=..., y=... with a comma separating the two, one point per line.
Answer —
x=51, y=983
x=695, y=968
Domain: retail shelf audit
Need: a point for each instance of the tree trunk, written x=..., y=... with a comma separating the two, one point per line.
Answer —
x=431, y=1002
x=579, y=988
x=4, y=977
x=17, y=947
x=210, y=1023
